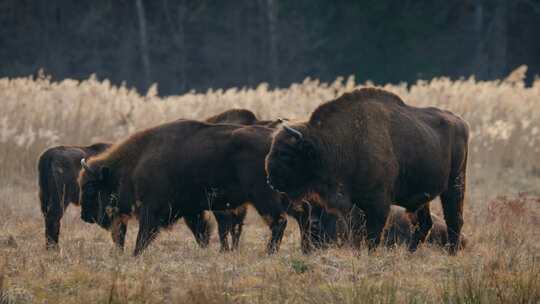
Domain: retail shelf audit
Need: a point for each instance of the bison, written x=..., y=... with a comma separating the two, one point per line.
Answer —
x=176, y=170
x=337, y=230
x=231, y=221
x=242, y=117
x=370, y=150
x=310, y=217
x=399, y=230
x=58, y=168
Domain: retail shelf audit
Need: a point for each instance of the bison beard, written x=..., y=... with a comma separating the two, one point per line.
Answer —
x=58, y=170
x=180, y=169
x=369, y=149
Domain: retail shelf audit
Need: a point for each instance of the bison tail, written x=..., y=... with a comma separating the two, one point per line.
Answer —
x=45, y=180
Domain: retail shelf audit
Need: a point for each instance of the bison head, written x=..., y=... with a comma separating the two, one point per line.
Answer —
x=97, y=197
x=292, y=162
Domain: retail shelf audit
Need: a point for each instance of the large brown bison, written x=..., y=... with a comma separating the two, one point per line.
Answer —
x=369, y=149
x=58, y=168
x=176, y=170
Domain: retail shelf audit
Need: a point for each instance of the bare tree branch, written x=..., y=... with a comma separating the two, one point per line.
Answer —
x=144, y=43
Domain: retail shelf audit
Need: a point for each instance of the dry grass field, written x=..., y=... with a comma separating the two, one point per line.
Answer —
x=502, y=214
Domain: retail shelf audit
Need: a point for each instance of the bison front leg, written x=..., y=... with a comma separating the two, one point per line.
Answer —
x=301, y=213
x=118, y=232
x=277, y=224
x=270, y=208
x=306, y=238
x=239, y=215
x=375, y=218
x=422, y=224
x=53, y=221
x=148, y=230
x=224, y=221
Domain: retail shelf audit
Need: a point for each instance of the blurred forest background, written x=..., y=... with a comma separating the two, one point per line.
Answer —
x=196, y=45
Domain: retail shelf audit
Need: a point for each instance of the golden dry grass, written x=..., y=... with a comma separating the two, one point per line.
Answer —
x=502, y=265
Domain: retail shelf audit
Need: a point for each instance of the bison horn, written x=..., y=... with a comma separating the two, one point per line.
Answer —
x=293, y=131
x=85, y=166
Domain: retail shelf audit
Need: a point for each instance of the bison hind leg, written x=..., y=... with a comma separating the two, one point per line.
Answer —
x=421, y=227
x=52, y=231
x=53, y=222
x=452, y=203
x=277, y=223
x=375, y=224
x=149, y=226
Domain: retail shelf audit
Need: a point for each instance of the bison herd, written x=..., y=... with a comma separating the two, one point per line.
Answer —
x=362, y=170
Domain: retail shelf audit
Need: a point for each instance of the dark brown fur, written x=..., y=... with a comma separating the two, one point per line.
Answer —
x=180, y=169
x=58, y=171
x=309, y=216
x=58, y=168
x=230, y=222
x=238, y=116
x=369, y=149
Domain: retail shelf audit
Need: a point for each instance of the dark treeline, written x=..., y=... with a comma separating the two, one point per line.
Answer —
x=184, y=45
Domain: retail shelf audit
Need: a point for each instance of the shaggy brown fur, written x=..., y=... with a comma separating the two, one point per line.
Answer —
x=369, y=149
x=180, y=169
x=58, y=168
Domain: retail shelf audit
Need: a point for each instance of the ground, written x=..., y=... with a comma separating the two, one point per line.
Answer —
x=502, y=212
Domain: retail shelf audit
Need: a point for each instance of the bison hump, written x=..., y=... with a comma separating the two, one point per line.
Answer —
x=345, y=102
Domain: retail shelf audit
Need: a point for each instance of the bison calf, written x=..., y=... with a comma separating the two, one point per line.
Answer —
x=58, y=168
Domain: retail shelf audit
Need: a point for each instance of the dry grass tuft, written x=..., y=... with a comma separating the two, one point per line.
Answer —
x=502, y=216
